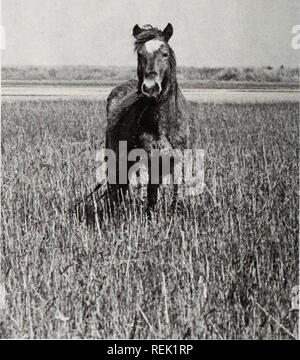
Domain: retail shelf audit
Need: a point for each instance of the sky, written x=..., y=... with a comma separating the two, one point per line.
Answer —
x=98, y=32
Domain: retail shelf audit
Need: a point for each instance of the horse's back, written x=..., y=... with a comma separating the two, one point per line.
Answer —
x=121, y=97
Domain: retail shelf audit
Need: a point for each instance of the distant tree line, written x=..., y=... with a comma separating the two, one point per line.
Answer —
x=114, y=73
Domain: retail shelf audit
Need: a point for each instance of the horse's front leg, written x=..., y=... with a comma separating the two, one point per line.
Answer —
x=175, y=187
x=118, y=191
x=152, y=194
x=174, y=198
x=177, y=160
x=152, y=190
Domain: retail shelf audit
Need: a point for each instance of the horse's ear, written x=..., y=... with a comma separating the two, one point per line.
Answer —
x=136, y=30
x=168, y=32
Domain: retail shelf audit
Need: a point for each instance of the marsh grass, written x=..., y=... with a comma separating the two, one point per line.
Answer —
x=223, y=267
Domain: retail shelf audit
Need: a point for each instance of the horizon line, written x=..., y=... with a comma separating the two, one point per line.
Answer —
x=133, y=66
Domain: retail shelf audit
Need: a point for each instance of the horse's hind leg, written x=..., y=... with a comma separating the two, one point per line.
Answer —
x=117, y=194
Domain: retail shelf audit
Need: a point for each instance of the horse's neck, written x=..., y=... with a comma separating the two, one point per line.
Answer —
x=173, y=119
x=168, y=111
x=165, y=118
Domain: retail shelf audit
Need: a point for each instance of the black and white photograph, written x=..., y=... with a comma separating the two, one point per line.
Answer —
x=150, y=172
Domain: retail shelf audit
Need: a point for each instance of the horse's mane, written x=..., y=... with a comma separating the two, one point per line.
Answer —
x=149, y=32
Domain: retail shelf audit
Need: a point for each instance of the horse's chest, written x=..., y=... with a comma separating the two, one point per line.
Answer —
x=153, y=133
x=151, y=142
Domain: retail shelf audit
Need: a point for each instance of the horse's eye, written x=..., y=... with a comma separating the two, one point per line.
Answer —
x=165, y=54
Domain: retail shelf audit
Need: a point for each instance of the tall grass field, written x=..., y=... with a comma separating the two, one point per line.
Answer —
x=222, y=267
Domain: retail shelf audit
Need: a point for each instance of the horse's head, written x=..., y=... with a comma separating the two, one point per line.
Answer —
x=156, y=59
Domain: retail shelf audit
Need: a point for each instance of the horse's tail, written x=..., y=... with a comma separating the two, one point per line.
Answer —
x=89, y=207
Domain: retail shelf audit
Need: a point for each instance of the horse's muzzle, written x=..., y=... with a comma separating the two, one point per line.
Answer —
x=151, y=88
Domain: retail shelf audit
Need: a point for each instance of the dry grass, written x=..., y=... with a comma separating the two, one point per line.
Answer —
x=223, y=267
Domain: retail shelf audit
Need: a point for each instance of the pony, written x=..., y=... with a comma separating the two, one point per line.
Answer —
x=150, y=112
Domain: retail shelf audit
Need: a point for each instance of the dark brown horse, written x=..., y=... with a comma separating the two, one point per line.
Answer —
x=148, y=113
